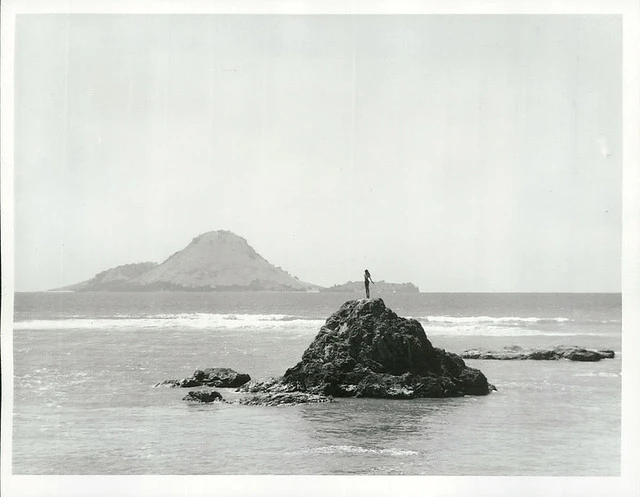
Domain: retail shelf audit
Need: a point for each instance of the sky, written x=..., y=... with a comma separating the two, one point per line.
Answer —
x=461, y=153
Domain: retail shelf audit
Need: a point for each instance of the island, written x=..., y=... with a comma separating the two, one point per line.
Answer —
x=214, y=261
x=380, y=287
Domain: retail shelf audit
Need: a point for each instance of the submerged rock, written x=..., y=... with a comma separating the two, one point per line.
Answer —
x=573, y=353
x=606, y=353
x=273, y=392
x=366, y=350
x=283, y=398
x=210, y=377
x=203, y=396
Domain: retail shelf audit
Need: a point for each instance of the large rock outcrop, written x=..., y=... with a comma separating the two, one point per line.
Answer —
x=514, y=352
x=366, y=350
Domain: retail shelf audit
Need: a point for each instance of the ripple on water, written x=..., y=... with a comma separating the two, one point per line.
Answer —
x=352, y=449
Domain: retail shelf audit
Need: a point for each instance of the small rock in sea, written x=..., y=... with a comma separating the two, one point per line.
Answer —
x=210, y=377
x=606, y=353
x=203, y=396
x=514, y=352
x=168, y=383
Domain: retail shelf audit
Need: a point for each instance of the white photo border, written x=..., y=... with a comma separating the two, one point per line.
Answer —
x=628, y=484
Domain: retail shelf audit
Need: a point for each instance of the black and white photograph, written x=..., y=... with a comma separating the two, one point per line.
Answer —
x=346, y=242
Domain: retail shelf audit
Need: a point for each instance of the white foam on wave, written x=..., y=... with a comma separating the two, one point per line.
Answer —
x=601, y=374
x=354, y=449
x=196, y=321
x=433, y=325
x=477, y=329
x=491, y=319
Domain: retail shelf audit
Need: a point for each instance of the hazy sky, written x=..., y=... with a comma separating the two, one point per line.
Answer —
x=462, y=153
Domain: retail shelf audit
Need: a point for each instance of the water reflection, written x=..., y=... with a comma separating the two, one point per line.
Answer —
x=371, y=421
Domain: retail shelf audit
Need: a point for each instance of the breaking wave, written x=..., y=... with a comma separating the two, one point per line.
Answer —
x=511, y=326
x=433, y=325
x=495, y=320
x=197, y=321
x=503, y=331
x=601, y=374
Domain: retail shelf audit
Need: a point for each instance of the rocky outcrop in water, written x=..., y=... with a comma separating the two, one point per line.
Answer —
x=203, y=397
x=366, y=350
x=572, y=353
x=283, y=399
x=272, y=392
x=210, y=377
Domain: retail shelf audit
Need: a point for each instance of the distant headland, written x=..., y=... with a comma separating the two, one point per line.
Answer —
x=379, y=287
x=214, y=261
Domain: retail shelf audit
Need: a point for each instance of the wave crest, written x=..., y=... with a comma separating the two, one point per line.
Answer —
x=490, y=319
x=433, y=325
x=196, y=321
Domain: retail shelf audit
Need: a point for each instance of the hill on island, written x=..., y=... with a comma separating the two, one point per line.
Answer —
x=217, y=260
x=114, y=278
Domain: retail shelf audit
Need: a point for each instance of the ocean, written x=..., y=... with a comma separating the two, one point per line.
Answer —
x=85, y=366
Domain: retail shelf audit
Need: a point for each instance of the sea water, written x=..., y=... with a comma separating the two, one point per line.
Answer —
x=85, y=366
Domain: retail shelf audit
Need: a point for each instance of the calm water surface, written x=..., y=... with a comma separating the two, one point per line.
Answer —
x=86, y=364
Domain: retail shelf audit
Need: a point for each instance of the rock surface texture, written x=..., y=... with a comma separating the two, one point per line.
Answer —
x=210, y=377
x=203, y=397
x=283, y=399
x=573, y=353
x=366, y=350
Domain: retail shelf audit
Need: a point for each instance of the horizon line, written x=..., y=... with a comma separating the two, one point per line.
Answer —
x=213, y=290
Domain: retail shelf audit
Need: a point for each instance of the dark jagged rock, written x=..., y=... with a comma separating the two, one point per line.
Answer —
x=168, y=383
x=221, y=377
x=367, y=350
x=203, y=396
x=573, y=353
x=210, y=377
